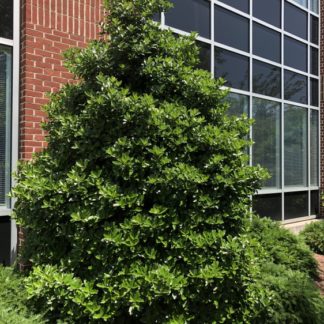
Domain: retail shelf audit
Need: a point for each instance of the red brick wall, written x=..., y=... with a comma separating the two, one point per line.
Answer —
x=48, y=28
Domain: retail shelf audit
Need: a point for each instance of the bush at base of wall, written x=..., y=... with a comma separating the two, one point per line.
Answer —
x=313, y=235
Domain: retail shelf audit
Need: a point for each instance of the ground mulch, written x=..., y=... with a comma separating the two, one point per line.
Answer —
x=320, y=282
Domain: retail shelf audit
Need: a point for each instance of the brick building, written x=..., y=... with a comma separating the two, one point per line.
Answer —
x=268, y=50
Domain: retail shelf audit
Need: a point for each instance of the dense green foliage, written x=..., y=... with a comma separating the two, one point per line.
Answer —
x=283, y=247
x=313, y=235
x=13, y=300
x=134, y=212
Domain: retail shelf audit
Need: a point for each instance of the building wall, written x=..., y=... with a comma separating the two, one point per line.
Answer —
x=48, y=28
x=322, y=103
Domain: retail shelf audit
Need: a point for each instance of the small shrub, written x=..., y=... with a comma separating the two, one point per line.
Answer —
x=282, y=246
x=313, y=235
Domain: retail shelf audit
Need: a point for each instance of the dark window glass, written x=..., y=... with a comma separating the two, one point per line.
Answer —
x=295, y=20
x=242, y=5
x=157, y=17
x=5, y=230
x=231, y=29
x=314, y=60
x=266, y=79
x=267, y=140
x=314, y=149
x=314, y=30
x=238, y=104
x=190, y=15
x=268, y=206
x=314, y=92
x=234, y=68
x=296, y=205
x=266, y=43
x=295, y=87
x=268, y=10
x=6, y=21
x=295, y=54
x=314, y=202
x=204, y=56
x=295, y=141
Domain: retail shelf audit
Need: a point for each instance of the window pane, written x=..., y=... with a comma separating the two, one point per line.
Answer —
x=231, y=29
x=314, y=6
x=266, y=43
x=295, y=20
x=314, y=153
x=314, y=60
x=268, y=10
x=295, y=146
x=6, y=21
x=242, y=5
x=314, y=30
x=5, y=230
x=204, y=56
x=296, y=205
x=314, y=92
x=295, y=54
x=268, y=206
x=266, y=79
x=157, y=17
x=239, y=104
x=314, y=202
x=5, y=119
x=266, y=137
x=234, y=68
x=295, y=87
x=190, y=15
x=301, y=2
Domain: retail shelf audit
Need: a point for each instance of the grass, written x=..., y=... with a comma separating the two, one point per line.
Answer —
x=13, y=300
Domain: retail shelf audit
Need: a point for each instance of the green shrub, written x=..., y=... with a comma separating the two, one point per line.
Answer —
x=282, y=246
x=313, y=235
x=13, y=300
x=134, y=212
x=295, y=299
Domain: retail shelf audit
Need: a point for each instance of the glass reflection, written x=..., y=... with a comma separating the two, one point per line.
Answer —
x=204, y=55
x=266, y=137
x=314, y=149
x=296, y=205
x=238, y=104
x=268, y=10
x=233, y=67
x=295, y=139
x=295, y=87
x=6, y=21
x=268, y=206
x=295, y=54
x=295, y=20
x=242, y=5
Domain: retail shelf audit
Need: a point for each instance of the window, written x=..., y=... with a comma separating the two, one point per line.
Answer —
x=233, y=67
x=314, y=30
x=268, y=206
x=6, y=21
x=5, y=120
x=314, y=202
x=296, y=205
x=295, y=141
x=190, y=15
x=266, y=148
x=204, y=55
x=295, y=87
x=231, y=29
x=242, y=5
x=314, y=5
x=268, y=10
x=314, y=60
x=5, y=230
x=266, y=79
x=238, y=104
x=266, y=43
x=301, y=2
x=295, y=54
x=295, y=20
x=314, y=92
x=314, y=153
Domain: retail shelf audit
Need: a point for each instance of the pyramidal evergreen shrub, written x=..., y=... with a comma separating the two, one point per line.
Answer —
x=134, y=212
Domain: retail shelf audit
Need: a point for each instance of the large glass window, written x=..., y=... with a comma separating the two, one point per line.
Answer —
x=295, y=54
x=295, y=20
x=296, y=205
x=295, y=87
x=268, y=10
x=6, y=21
x=266, y=148
x=314, y=134
x=238, y=104
x=295, y=146
x=314, y=5
x=314, y=92
x=190, y=15
x=314, y=30
x=314, y=60
x=266, y=79
x=242, y=5
x=233, y=67
x=204, y=55
x=266, y=43
x=268, y=206
x=5, y=120
x=314, y=202
x=231, y=29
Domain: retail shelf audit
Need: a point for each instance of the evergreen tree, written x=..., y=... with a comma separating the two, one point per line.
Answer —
x=135, y=210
